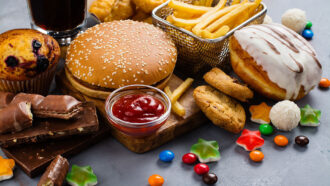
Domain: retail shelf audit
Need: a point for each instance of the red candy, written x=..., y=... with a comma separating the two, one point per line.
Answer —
x=201, y=168
x=189, y=158
x=250, y=140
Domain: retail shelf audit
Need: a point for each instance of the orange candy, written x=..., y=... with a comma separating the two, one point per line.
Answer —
x=260, y=113
x=156, y=180
x=324, y=83
x=6, y=168
x=256, y=155
x=281, y=140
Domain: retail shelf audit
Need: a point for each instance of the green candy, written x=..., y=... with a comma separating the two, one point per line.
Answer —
x=266, y=129
x=81, y=176
x=308, y=25
x=206, y=151
x=309, y=116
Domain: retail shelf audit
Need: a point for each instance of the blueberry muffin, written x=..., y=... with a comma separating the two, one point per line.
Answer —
x=28, y=60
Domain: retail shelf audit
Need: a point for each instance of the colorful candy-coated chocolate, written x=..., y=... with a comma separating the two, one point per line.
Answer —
x=201, y=168
x=301, y=140
x=206, y=151
x=281, y=140
x=309, y=116
x=307, y=34
x=256, y=155
x=210, y=178
x=156, y=180
x=266, y=129
x=189, y=158
x=324, y=83
x=308, y=25
x=166, y=156
x=250, y=140
x=81, y=176
x=6, y=168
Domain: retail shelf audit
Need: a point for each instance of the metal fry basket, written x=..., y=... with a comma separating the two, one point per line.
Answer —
x=196, y=53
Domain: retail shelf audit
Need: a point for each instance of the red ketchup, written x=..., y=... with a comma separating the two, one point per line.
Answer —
x=138, y=108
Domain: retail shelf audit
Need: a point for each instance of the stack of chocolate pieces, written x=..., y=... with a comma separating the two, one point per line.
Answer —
x=32, y=118
x=35, y=129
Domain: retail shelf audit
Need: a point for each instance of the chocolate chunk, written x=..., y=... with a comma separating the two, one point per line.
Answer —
x=5, y=99
x=34, y=99
x=58, y=106
x=84, y=123
x=51, y=106
x=15, y=118
x=55, y=172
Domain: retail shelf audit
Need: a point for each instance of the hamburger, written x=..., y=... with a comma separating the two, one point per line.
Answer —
x=114, y=54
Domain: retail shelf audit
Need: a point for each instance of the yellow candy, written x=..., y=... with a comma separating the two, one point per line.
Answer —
x=260, y=113
x=6, y=168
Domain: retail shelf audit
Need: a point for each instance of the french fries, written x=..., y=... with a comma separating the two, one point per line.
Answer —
x=211, y=22
x=177, y=108
x=177, y=93
x=184, y=7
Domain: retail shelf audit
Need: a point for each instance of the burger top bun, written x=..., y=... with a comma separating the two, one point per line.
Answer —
x=114, y=54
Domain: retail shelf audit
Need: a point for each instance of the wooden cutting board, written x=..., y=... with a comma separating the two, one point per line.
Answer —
x=175, y=125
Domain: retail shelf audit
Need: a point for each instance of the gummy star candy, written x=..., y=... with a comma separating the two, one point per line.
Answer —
x=81, y=176
x=309, y=116
x=206, y=151
x=6, y=168
x=250, y=140
x=260, y=113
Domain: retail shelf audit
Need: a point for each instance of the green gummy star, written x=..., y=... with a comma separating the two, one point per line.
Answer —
x=206, y=151
x=309, y=116
x=81, y=176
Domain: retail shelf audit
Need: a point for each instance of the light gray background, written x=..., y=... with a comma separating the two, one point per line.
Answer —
x=115, y=165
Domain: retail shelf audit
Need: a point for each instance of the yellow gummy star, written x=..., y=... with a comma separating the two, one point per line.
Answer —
x=260, y=113
x=6, y=168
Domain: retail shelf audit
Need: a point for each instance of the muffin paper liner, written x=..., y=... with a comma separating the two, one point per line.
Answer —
x=39, y=84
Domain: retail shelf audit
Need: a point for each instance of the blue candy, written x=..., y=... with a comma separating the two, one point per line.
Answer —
x=307, y=34
x=166, y=156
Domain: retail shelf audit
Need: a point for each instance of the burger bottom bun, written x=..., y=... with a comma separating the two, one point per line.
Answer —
x=251, y=73
x=101, y=94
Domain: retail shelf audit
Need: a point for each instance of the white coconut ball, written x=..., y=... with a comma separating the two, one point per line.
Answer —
x=267, y=20
x=285, y=115
x=294, y=19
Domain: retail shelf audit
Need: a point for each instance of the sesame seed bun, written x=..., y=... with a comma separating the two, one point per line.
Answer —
x=114, y=54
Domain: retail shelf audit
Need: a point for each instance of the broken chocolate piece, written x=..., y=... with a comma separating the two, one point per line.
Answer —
x=51, y=106
x=5, y=99
x=35, y=99
x=15, y=117
x=55, y=172
x=84, y=123
x=34, y=158
x=58, y=106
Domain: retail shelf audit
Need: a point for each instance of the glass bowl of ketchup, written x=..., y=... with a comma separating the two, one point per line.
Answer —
x=138, y=110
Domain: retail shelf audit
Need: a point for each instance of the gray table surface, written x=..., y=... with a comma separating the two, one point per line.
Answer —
x=115, y=165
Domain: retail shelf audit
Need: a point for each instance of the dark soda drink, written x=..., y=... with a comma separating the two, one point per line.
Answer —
x=57, y=15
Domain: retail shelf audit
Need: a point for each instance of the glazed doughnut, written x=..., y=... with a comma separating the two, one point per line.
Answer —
x=275, y=61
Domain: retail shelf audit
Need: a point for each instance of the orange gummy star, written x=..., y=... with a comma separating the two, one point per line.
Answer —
x=6, y=168
x=260, y=113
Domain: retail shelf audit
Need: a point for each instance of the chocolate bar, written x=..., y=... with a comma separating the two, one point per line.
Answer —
x=5, y=99
x=83, y=123
x=51, y=106
x=15, y=117
x=34, y=158
x=55, y=172
x=58, y=106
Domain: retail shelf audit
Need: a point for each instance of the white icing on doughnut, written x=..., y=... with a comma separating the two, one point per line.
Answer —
x=289, y=60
